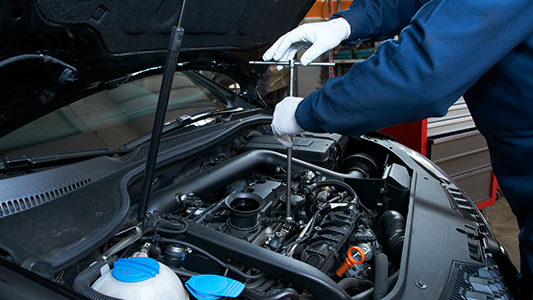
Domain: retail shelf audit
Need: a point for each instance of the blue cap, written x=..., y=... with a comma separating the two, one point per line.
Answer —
x=211, y=287
x=135, y=269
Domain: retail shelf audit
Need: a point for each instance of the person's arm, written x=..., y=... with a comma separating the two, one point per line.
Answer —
x=446, y=48
x=365, y=20
x=372, y=20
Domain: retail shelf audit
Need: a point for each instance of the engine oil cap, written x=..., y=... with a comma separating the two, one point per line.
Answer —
x=207, y=286
x=135, y=269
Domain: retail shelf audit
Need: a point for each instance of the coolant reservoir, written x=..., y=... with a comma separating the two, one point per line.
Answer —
x=141, y=278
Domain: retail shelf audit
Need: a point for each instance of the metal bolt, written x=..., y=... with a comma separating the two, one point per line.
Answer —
x=420, y=284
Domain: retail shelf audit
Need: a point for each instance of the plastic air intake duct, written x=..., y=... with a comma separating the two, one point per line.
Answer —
x=391, y=231
x=218, y=177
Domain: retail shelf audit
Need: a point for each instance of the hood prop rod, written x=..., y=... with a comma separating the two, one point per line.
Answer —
x=166, y=85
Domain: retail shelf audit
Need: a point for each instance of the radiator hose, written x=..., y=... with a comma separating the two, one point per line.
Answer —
x=82, y=282
x=382, y=274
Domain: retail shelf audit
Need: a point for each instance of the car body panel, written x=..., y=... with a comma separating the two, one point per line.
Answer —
x=217, y=202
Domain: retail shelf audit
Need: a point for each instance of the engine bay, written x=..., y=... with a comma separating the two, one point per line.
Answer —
x=231, y=220
x=223, y=212
x=366, y=217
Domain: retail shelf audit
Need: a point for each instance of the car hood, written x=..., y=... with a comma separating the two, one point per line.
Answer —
x=53, y=52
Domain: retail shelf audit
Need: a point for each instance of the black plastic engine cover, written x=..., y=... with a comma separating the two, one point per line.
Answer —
x=319, y=151
x=325, y=244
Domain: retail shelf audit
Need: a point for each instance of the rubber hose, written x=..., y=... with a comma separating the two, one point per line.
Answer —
x=286, y=293
x=183, y=273
x=354, y=282
x=367, y=295
x=82, y=282
x=41, y=57
x=381, y=278
x=209, y=255
x=392, y=224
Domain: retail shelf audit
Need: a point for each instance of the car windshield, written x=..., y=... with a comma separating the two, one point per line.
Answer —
x=110, y=118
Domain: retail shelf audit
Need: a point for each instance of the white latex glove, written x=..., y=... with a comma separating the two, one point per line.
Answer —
x=318, y=37
x=284, y=122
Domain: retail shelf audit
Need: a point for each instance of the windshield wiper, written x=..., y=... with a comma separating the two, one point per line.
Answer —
x=54, y=159
x=186, y=120
x=180, y=122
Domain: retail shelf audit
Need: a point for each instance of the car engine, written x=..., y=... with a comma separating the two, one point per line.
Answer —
x=232, y=220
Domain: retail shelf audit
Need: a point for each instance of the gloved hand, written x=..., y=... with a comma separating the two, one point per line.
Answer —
x=284, y=122
x=318, y=37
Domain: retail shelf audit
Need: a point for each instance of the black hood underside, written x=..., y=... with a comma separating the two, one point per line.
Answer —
x=141, y=25
x=53, y=52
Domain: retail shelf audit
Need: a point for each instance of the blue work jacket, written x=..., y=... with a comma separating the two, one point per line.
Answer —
x=446, y=48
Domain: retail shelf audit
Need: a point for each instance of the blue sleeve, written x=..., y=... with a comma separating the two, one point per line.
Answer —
x=445, y=49
x=372, y=20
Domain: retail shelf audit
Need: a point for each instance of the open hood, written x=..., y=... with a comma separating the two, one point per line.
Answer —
x=55, y=51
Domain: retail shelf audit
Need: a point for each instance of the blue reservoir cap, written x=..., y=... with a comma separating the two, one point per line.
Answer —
x=211, y=287
x=135, y=269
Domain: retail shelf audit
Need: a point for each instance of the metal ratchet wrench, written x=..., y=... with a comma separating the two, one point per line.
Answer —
x=291, y=63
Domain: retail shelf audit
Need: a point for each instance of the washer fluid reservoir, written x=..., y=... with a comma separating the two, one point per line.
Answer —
x=141, y=278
